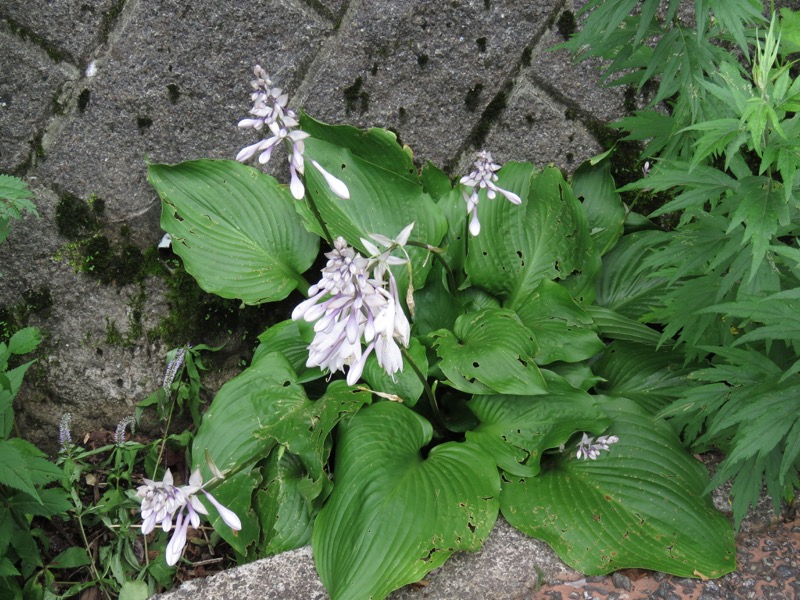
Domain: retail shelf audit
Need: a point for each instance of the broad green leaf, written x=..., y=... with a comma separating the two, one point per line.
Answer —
x=23, y=467
x=14, y=378
x=286, y=505
x=25, y=340
x=602, y=203
x=290, y=338
x=651, y=378
x=564, y=331
x=437, y=308
x=134, y=590
x=516, y=430
x=381, y=201
x=489, y=351
x=545, y=237
x=625, y=284
x=260, y=408
x=235, y=228
x=394, y=515
x=639, y=505
x=407, y=384
x=435, y=182
x=374, y=145
x=71, y=558
x=54, y=501
x=613, y=325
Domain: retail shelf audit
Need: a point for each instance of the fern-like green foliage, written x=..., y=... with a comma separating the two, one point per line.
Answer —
x=722, y=129
x=14, y=202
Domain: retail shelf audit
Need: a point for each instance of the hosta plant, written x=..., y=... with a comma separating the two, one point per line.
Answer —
x=445, y=363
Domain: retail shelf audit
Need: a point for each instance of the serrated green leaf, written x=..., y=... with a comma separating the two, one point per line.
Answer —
x=53, y=501
x=71, y=558
x=516, y=430
x=489, y=351
x=25, y=340
x=641, y=504
x=235, y=228
x=394, y=516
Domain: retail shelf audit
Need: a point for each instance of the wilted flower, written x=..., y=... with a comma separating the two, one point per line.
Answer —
x=355, y=301
x=269, y=109
x=162, y=502
x=64, y=434
x=483, y=177
x=119, y=434
x=589, y=449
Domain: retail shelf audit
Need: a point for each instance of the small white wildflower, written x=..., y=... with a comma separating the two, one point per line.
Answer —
x=588, y=449
x=483, y=176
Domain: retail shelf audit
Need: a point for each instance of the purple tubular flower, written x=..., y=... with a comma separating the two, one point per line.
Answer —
x=588, y=449
x=483, y=177
x=269, y=108
x=162, y=502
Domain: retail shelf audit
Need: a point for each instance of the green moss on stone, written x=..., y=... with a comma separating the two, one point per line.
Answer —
x=75, y=218
x=566, y=24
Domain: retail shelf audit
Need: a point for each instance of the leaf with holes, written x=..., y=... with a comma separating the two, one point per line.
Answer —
x=516, y=430
x=545, y=237
x=563, y=329
x=394, y=515
x=235, y=228
x=489, y=351
x=639, y=505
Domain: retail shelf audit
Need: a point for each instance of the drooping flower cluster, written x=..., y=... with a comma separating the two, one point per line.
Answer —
x=589, y=449
x=162, y=502
x=357, y=300
x=483, y=176
x=270, y=110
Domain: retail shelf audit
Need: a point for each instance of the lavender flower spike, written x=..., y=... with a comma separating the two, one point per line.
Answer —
x=270, y=110
x=482, y=177
x=64, y=434
x=588, y=449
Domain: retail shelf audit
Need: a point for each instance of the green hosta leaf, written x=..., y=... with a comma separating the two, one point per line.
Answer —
x=651, y=378
x=627, y=286
x=613, y=325
x=516, y=430
x=381, y=201
x=437, y=308
x=489, y=351
x=642, y=504
x=545, y=237
x=394, y=516
x=407, y=384
x=264, y=406
x=235, y=228
x=435, y=182
x=290, y=338
x=375, y=145
x=287, y=504
x=603, y=205
x=564, y=331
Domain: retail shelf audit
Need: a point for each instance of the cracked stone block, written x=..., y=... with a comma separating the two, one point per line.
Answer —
x=534, y=127
x=69, y=30
x=427, y=70
x=30, y=85
x=173, y=87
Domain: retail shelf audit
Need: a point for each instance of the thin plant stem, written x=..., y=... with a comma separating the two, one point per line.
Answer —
x=92, y=566
x=438, y=423
x=451, y=279
x=166, y=433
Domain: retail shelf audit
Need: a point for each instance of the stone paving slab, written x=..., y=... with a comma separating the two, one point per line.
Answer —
x=70, y=30
x=30, y=88
x=427, y=70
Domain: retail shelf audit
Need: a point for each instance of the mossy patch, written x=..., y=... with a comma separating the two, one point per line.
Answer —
x=196, y=316
x=566, y=24
x=489, y=115
x=15, y=317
